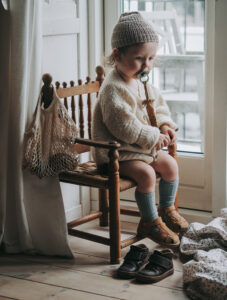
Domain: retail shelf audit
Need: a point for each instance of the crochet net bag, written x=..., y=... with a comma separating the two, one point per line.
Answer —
x=49, y=142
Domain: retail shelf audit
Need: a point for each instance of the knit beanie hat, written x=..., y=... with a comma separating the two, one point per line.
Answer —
x=132, y=29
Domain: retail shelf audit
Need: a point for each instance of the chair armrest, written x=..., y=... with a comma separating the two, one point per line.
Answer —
x=98, y=144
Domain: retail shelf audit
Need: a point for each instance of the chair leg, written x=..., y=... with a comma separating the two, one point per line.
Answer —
x=114, y=228
x=114, y=208
x=103, y=207
x=172, y=150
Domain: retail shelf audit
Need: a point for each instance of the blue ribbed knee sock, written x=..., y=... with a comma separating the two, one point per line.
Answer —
x=167, y=192
x=146, y=205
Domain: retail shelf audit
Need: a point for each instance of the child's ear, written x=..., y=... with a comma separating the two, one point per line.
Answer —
x=116, y=54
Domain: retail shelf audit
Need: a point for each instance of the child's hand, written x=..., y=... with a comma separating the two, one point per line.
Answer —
x=163, y=141
x=165, y=129
x=173, y=137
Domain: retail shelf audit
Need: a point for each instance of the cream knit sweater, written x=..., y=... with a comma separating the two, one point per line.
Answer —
x=120, y=115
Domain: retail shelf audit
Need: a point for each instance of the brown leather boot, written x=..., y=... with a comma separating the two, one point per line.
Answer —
x=158, y=232
x=172, y=219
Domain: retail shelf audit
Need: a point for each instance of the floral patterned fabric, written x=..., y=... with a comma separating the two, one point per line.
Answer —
x=205, y=276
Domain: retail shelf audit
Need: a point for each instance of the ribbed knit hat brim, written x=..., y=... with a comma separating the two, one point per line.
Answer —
x=132, y=29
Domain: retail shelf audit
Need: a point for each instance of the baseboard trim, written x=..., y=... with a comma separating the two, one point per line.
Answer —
x=73, y=213
x=191, y=215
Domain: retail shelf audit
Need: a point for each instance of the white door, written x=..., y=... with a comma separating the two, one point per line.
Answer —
x=180, y=75
x=65, y=57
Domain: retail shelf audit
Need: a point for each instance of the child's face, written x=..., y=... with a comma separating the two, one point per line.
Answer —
x=137, y=59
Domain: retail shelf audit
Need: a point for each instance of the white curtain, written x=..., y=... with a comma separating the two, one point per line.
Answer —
x=32, y=218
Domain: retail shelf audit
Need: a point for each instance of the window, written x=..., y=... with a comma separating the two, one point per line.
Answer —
x=179, y=71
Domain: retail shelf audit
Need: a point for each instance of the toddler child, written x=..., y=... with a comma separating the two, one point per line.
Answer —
x=120, y=115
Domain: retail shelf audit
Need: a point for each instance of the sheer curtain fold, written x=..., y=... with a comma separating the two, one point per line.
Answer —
x=4, y=107
x=32, y=217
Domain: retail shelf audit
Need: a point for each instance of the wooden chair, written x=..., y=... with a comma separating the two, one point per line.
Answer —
x=87, y=173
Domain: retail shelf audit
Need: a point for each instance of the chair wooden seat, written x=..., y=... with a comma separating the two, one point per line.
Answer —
x=88, y=171
x=110, y=184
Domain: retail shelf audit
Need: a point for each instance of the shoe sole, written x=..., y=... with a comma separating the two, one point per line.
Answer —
x=174, y=246
x=150, y=279
x=126, y=275
x=180, y=231
x=129, y=275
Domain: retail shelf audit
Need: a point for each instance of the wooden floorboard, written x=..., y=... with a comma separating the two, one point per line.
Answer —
x=88, y=276
x=6, y=298
x=28, y=290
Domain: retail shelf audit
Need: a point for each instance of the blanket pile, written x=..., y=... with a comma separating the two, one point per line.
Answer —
x=205, y=276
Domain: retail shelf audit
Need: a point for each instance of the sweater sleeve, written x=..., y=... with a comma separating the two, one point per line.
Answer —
x=163, y=115
x=119, y=116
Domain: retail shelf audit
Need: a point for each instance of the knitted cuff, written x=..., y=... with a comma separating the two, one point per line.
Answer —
x=168, y=122
x=148, y=137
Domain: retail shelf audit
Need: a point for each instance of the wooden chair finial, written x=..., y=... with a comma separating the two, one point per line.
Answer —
x=57, y=84
x=47, y=90
x=99, y=70
x=47, y=79
x=100, y=74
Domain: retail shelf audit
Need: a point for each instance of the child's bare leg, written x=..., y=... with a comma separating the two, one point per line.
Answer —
x=142, y=173
x=167, y=167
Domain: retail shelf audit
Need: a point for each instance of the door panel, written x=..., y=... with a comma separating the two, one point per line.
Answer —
x=180, y=75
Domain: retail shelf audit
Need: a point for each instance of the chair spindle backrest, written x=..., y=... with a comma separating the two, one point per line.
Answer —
x=88, y=88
